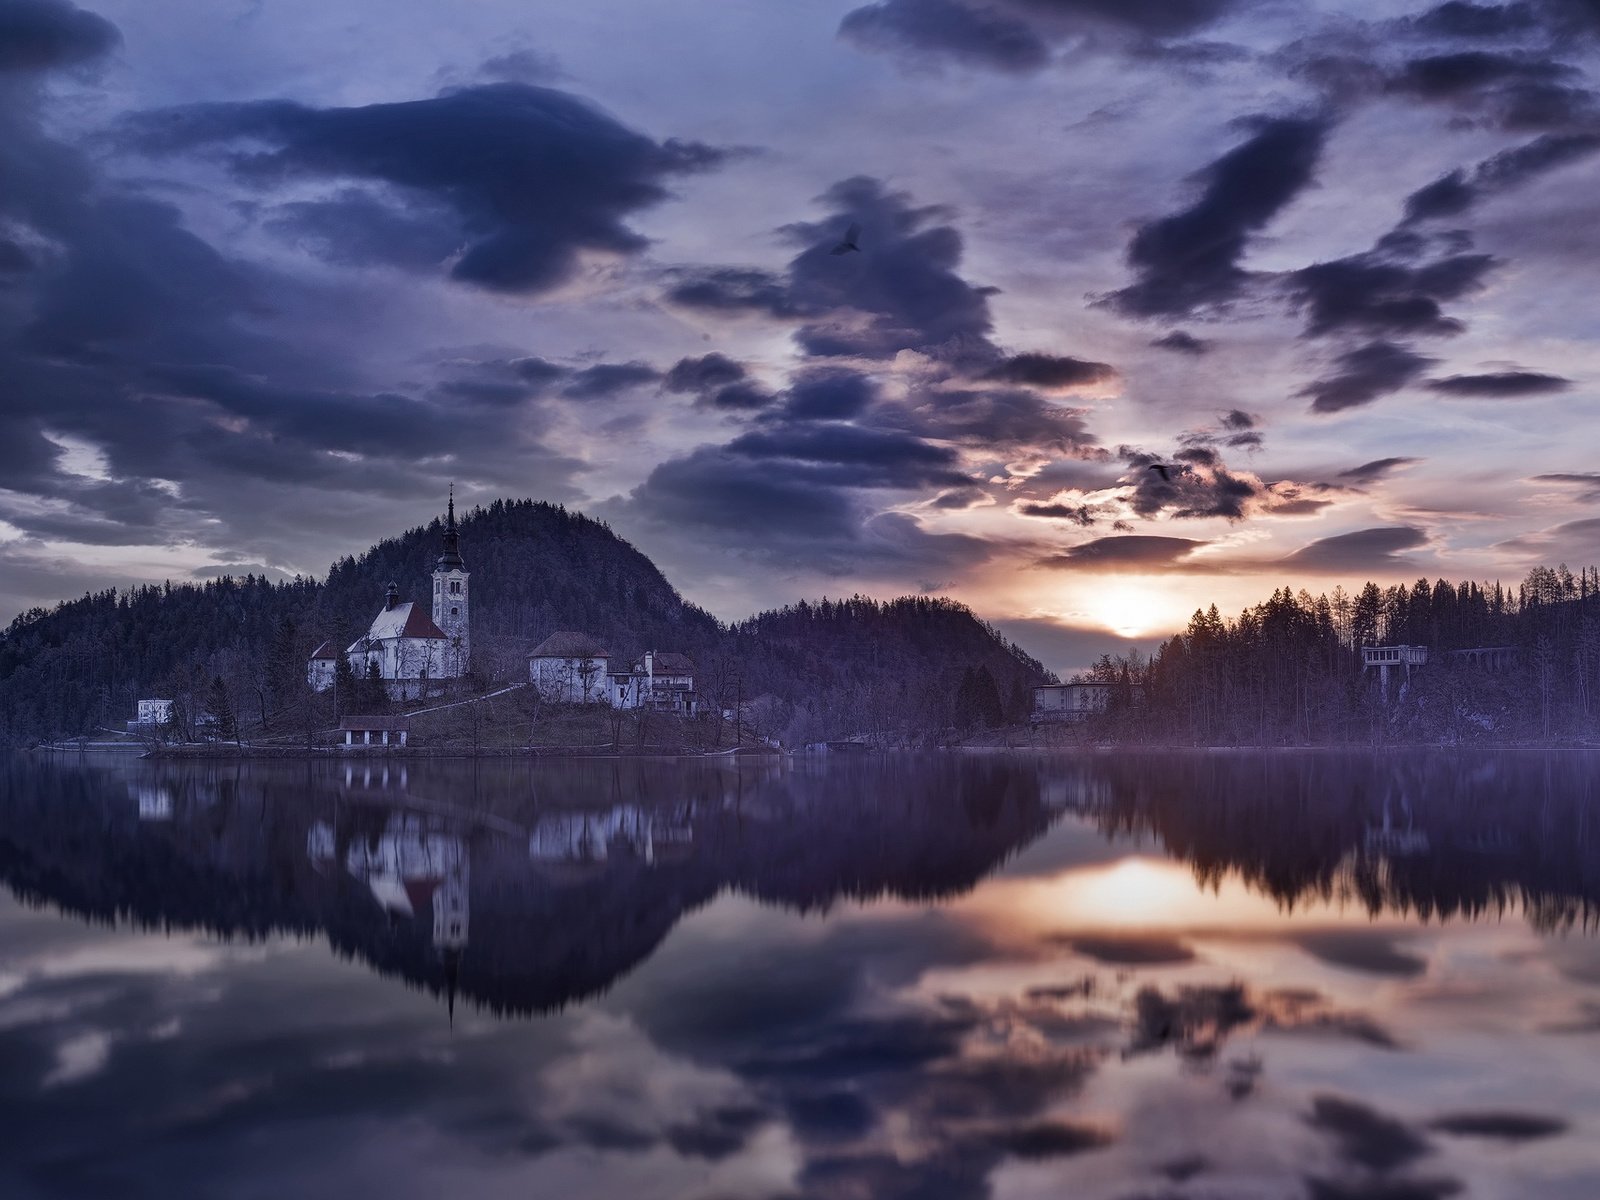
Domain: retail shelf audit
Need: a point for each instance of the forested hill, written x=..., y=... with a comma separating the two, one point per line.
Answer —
x=535, y=568
x=860, y=665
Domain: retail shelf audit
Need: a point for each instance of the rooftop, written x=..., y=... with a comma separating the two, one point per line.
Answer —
x=569, y=644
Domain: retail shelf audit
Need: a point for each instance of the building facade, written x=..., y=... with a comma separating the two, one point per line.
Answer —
x=1075, y=701
x=571, y=668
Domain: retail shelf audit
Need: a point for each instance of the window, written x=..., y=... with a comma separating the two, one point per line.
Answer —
x=455, y=587
x=454, y=611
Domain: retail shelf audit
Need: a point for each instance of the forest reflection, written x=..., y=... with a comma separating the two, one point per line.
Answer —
x=522, y=889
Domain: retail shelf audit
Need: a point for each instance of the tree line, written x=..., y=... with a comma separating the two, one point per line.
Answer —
x=1290, y=670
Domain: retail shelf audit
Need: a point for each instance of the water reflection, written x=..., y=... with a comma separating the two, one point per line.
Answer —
x=1112, y=976
x=561, y=879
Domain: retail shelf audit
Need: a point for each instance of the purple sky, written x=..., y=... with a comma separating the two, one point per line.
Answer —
x=272, y=275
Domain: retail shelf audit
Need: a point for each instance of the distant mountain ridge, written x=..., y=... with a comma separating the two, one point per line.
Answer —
x=827, y=669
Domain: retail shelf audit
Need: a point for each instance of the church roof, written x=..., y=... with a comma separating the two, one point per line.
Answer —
x=569, y=644
x=406, y=620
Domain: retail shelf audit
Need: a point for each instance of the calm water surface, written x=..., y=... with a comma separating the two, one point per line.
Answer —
x=1180, y=976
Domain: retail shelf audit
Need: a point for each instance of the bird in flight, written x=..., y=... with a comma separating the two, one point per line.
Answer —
x=849, y=243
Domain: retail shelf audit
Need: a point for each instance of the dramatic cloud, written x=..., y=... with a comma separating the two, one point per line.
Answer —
x=1368, y=294
x=1078, y=514
x=980, y=36
x=1458, y=191
x=1499, y=1126
x=604, y=380
x=1051, y=372
x=1460, y=19
x=1365, y=550
x=1500, y=385
x=44, y=34
x=1364, y=374
x=1365, y=1136
x=1126, y=552
x=523, y=178
x=1190, y=261
x=1376, y=470
x=828, y=394
x=1016, y=35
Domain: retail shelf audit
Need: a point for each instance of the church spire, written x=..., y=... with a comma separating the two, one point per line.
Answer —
x=451, y=557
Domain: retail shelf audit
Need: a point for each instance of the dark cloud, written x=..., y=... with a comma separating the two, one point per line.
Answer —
x=730, y=290
x=738, y=397
x=902, y=292
x=1381, y=1189
x=1124, y=552
x=1378, y=469
x=1443, y=75
x=703, y=374
x=1588, y=483
x=1364, y=374
x=828, y=394
x=1009, y=421
x=1373, y=953
x=357, y=229
x=1049, y=371
x=1361, y=550
x=1364, y=1135
x=1182, y=343
x=1132, y=950
x=1190, y=260
x=604, y=380
x=1016, y=36
x=539, y=372
x=979, y=36
x=1237, y=418
x=1499, y=385
x=1051, y=1139
x=1459, y=19
x=38, y=35
x=1499, y=1126
x=1202, y=487
x=1078, y=514
x=528, y=177
x=1456, y=192
x=1367, y=293
x=863, y=457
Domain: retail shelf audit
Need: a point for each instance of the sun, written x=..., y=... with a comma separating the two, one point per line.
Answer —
x=1128, y=610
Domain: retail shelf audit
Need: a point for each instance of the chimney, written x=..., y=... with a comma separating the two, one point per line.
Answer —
x=391, y=597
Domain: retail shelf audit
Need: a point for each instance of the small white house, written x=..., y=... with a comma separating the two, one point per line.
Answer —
x=661, y=681
x=322, y=667
x=1071, y=701
x=151, y=715
x=571, y=668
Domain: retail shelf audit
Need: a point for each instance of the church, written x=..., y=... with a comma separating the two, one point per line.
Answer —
x=406, y=647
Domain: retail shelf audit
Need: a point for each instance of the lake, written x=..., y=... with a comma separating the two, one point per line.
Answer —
x=1118, y=976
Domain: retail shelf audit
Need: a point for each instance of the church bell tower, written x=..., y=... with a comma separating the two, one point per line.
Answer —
x=450, y=600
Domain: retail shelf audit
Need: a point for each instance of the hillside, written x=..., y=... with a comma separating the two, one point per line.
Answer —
x=812, y=670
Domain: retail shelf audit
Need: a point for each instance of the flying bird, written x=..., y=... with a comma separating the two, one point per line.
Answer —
x=849, y=243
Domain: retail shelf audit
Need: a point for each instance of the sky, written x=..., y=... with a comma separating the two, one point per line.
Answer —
x=272, y=277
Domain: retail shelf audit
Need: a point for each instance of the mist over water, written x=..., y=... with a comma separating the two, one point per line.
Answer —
x=1176, y=975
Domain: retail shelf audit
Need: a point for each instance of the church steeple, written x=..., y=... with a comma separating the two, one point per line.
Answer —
x=450, y=559
x=450, y=600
